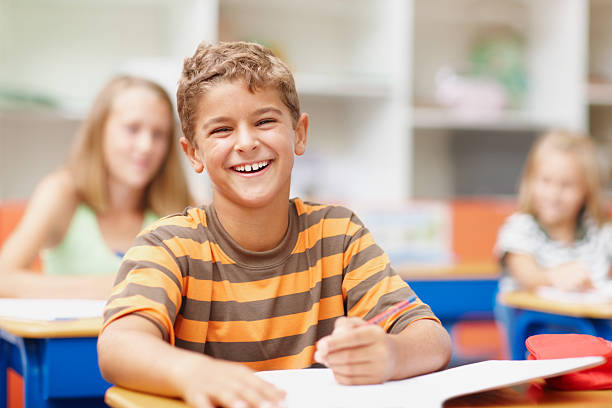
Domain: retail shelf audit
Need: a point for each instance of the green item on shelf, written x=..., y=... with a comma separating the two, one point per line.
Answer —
x=501, y=56
x=23, y=99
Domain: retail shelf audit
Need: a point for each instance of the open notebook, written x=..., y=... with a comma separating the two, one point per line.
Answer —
x=317, y=387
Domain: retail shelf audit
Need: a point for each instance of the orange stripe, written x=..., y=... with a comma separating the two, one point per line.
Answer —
x=357, y=246
x=358, y=275
x=188, y=247
x=205, y=251
x=224, y=291
x=153, y=254
x=302, y=360
x=302, y=208
x=219, y=256
x=151, y=278
x=190, y=330
x=324, y=229
x=271, y=328
x=370, y=298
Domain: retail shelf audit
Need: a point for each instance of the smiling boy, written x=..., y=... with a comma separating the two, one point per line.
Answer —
x=255, y=280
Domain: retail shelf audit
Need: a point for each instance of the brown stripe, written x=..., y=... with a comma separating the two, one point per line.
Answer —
x=207, y=270
x=306, y=221
x=200, y=234
x=261, y=309
x=155, y=294
x=108, y=313
x=353, y=295
x=263, y=350
x=362, y=257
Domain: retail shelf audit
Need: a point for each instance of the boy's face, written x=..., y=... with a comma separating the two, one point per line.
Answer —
x=246, y=142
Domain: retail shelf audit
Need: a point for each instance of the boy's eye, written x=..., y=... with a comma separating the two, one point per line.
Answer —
x=219, y=131
x=264, y=121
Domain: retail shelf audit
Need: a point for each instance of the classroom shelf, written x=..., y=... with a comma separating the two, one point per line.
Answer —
x=343, y=86
x=442, y=118
x=365, y=70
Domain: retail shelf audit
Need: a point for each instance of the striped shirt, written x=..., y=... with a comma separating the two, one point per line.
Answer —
x=264, y=309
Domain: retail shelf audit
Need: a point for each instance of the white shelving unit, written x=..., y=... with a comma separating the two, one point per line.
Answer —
x=350, y=64
x=365, y=71
x=553, y=34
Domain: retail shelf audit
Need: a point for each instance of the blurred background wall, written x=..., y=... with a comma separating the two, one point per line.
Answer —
x=408, y=98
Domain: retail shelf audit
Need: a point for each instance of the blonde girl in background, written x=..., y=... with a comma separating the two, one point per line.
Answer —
x=122, y=174
x=560, y=236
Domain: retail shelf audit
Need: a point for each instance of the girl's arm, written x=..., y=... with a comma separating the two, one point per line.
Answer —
x=531, y=275
x=43, y=225
x=526, y=270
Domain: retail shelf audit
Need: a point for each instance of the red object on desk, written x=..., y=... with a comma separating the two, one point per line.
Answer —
x=548, y=346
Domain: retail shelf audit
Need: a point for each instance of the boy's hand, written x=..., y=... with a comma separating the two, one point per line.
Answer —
x=229, y=385
x=570, y=276
x=358, y=354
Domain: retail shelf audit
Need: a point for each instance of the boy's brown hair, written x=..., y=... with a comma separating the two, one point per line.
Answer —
x=252, y=63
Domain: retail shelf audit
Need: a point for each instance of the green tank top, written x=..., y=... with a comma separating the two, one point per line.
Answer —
x=83, y=250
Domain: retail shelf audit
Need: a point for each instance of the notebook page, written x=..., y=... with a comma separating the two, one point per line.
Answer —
x=317, y=387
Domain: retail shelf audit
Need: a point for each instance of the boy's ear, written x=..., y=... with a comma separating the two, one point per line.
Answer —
x=301, y=134
x=191, y=153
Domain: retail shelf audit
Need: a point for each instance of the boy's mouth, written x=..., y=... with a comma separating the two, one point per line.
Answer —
x=252, y=167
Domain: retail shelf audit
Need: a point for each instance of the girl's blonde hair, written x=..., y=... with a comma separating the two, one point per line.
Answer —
x=166, y=193
x=582, y=148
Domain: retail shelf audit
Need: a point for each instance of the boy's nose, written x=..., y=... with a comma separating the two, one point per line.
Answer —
x=246, y=140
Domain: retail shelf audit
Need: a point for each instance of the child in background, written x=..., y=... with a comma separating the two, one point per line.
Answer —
x=255, y=281
x=123, y=172
x=560, y=236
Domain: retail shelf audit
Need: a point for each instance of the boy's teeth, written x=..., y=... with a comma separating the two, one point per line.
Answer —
x=252, y=167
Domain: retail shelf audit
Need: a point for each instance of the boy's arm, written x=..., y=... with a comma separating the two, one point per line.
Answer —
x=366, y=354
x=133, y=354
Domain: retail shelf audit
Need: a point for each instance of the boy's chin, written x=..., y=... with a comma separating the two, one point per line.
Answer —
x=256, y=201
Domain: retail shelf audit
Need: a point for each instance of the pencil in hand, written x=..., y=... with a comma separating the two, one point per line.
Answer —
x=398, y=307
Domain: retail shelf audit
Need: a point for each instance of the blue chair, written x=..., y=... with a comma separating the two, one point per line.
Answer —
x=521, y=323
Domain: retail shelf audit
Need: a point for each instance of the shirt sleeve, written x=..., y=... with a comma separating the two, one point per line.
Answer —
x=519, y=234
x=149, y=283
x=370, y=286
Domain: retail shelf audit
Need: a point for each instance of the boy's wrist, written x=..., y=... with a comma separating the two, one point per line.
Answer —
x=397, y=357
x=183, y=367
